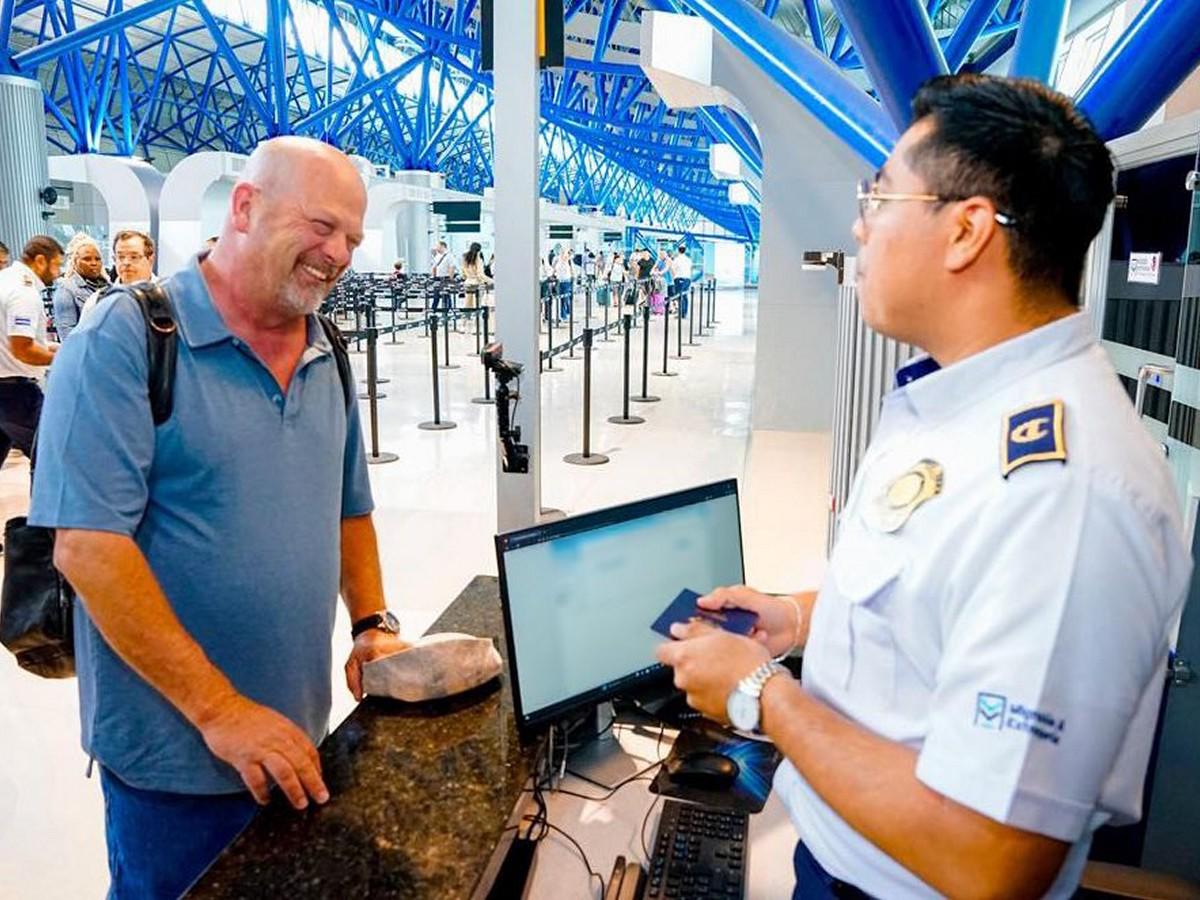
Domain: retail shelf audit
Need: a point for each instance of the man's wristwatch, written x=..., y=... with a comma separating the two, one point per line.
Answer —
x=743, y=707
x=384, y=621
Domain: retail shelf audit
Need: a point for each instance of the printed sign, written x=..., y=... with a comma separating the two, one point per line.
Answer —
x=1145, y=268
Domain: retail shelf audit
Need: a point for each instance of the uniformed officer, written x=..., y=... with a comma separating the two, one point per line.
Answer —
x=984, y=662
x=24, y=349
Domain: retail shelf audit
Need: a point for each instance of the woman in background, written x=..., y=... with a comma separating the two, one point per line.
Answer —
x=83, y=276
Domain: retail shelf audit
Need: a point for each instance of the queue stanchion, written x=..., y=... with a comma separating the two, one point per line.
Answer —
x=571, y=329
x=713, y=321
x=438, y=424
x=606, y=337
x=645, y=396
x=358, y=326
x=700, y=323
x=625, y=418
x=486, y=399
x=587, y=299
x=691, y=341
x=550, y=367
x=450, y=314
x=425, y=302
x=376, y=456
x=665, y=373
x=371, y=323
x=587, y=457
x=679, y=354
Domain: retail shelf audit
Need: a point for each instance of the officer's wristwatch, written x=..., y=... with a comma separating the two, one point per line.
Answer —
x=384, y=621
x=744, y=707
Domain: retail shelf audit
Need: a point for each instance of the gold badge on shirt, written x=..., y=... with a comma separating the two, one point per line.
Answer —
x=892, y=508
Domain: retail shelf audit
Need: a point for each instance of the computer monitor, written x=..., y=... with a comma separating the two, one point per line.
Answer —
x=579, y=595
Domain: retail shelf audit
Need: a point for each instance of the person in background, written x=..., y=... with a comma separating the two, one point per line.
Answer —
x=645, y=266
x=133, y=252
x=3, y=256
x=208, y=582
x=617, y=277
x=441, y=267
x=589, y=266
x=564, y=273
x=681, y=273
x=473, y=273
x=82, y=277
x=25, y=351
x=984, y=662
x=397, y=268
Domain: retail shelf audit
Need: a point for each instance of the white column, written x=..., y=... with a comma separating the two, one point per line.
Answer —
x=413, y=222
x=22, y=162
x=518, y=497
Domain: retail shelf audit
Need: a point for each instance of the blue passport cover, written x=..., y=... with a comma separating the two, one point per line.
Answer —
x=683, y=609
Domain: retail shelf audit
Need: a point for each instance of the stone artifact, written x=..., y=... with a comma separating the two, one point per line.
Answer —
x=438, y=665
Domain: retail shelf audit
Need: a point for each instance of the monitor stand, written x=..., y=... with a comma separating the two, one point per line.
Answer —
x=600, y=760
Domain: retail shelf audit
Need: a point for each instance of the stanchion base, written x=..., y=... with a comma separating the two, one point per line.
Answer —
x=383, y=457
x=679, y=356
x=623, y=420
x=578, y=459
x=365, y=396
x=377, y=380
x=693, y=344
x=572, y=358
x=663, y=374
x=437, y=426
x=483, y=401
x=552, y=369
x=449, y=366
x=647, y=398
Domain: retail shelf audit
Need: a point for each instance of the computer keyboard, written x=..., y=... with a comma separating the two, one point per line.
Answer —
x=699, y=854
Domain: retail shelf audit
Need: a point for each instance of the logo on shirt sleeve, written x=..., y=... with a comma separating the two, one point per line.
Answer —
x=1033, y=434
x=989, y=710
x=23, y=320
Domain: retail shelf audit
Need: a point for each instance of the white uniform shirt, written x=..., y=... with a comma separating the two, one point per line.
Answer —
x=24, y=315
x=563, y=270
x=1014, y=631
x=681, y=266
x=616, y=272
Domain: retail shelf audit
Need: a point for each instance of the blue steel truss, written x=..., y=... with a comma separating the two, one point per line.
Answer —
x=399, y=82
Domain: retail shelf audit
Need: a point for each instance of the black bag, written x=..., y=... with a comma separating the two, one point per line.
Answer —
x=37, y=602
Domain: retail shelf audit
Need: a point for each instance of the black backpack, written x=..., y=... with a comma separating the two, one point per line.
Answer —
x=36, y=603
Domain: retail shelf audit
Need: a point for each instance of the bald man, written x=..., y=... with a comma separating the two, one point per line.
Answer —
x=208, y=553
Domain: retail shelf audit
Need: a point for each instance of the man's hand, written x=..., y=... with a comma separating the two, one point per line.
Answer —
x=782, y=621
x=708, y=664
x=370, y=645
x=265, y=747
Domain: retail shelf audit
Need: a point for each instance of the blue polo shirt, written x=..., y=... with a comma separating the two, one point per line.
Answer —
x=236, y=502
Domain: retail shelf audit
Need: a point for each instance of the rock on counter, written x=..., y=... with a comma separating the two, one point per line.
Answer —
x=420, y=795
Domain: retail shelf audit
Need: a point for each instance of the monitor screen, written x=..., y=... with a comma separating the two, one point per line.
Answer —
x=580, y=594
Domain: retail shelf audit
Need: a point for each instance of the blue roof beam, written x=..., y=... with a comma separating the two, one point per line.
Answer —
x=895, y=42
x=1157, y=52
x=1038, y=39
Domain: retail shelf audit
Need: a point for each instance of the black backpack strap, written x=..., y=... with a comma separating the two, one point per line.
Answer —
x=341, y=355
x=162, y=345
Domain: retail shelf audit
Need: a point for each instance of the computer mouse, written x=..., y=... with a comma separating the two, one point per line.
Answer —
x=702, y=769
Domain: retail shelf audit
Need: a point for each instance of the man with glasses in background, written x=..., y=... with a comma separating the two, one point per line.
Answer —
x=133, y=255
x=984, y=663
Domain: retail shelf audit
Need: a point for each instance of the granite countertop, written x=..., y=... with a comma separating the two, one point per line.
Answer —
x=420, y=795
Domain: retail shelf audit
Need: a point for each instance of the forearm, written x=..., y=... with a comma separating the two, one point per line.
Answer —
x=127, y=605
x=35, y=354
x=361, y=577
x=871, y=783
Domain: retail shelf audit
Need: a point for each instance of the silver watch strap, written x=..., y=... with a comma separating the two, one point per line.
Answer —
x=754, y=683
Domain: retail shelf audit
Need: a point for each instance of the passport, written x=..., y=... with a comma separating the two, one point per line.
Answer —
x=683, y=609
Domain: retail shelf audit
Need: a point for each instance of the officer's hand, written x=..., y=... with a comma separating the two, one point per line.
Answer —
x=708, y=664
x=369, y=645
x=265, y=747
x=780, y=620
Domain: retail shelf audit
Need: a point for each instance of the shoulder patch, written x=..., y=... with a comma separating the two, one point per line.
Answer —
x=1033, y=434
x=27, y=281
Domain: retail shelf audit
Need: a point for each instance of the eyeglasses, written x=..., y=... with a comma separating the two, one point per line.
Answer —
x=870, y=198
x=130, y=257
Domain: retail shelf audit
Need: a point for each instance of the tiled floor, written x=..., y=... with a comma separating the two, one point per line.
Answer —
x=436, y=518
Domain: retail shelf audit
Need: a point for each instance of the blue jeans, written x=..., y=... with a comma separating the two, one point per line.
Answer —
x=160, y=843
x=681, y=287
x=564, y=300
x=814, y=883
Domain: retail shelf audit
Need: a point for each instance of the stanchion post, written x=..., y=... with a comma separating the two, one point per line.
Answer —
x=692, y=342
x=571, y=323
x=486, y=399
x=666, y=373
x=437, y=424
x=550, y=367
x=625, y=418
x=375, y=457
x=679, y=354
x=646, y=396
x=606, y=337
x=449, y=314
x=587, y=457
